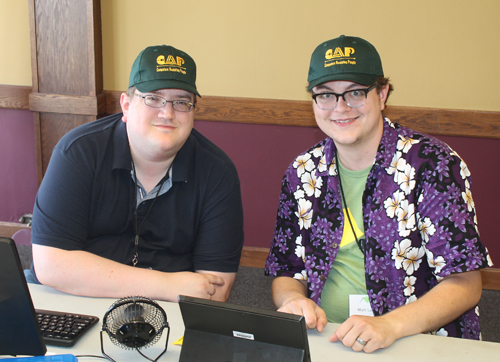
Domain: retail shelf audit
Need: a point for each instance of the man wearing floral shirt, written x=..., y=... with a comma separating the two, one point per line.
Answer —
x=374, y=212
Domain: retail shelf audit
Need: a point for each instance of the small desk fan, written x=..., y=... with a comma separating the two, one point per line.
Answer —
x=135, y=323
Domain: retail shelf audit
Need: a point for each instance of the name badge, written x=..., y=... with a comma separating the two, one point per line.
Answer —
x=359, y=304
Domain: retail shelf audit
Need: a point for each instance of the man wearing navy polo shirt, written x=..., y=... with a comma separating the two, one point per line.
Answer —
x=140, y=203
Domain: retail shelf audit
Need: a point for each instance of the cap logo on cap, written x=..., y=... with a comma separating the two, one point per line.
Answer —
x=170, y=64
x=162, y=67
x=345, y=58
x=338, y=56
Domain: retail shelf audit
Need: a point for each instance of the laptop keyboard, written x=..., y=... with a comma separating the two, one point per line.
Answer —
x=63, y=329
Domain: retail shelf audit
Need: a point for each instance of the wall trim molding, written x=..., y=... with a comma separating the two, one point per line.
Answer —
x=7, y=229
x=58, y=103
x=435, y=121
x=14, y=97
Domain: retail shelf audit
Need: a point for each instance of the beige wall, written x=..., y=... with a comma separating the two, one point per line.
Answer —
x=438, y=53
x=15, y=54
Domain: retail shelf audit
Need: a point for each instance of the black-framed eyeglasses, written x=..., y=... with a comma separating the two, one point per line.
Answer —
x=155, y=101
x=353, y=98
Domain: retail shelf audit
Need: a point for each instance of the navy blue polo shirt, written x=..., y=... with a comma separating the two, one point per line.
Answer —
x=86, y=202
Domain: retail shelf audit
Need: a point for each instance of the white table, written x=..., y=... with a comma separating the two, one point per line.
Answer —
x=419, y=348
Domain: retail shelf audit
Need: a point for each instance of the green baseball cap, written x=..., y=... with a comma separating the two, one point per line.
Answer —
x=163, y=66
x=345, y=58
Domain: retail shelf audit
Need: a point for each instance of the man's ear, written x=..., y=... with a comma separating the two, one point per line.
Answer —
x=125, y=105
x=383, y=94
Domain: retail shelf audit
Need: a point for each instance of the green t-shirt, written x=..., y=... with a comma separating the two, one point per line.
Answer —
x=348, y=271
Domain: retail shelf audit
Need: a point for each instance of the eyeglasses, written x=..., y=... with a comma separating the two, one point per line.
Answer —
x=158, y=102
x=353, y=98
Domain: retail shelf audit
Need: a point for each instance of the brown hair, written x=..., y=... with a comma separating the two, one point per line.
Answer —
x=381, y=83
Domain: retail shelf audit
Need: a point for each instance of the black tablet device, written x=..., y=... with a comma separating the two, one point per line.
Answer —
x=216, y=331
x=19, y=330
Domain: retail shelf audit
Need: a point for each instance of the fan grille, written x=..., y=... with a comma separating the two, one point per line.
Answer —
x=131, y=312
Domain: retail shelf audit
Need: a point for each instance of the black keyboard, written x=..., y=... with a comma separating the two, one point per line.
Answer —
x=63, y=329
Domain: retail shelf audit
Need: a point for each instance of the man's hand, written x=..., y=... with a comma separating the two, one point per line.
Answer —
x=289, y=295
x=195, y=284
x=375, y=332
x=453, y=296
x=314, y=316
x=221, y=289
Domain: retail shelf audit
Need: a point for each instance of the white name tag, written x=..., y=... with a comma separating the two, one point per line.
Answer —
x=359, y=304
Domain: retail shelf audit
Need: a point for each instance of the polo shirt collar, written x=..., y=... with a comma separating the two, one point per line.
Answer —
x=183, y=161
x=122, y=158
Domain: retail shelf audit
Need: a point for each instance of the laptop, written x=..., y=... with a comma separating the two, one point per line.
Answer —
x=19, y=330
x=217, y=331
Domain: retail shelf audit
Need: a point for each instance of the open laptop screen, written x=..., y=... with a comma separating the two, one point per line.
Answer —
x=19, y=331
x=216, y=331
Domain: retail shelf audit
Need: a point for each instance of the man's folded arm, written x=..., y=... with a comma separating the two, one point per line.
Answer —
x=83, y=273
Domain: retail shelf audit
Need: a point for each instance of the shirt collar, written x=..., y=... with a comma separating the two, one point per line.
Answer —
x=122, y=158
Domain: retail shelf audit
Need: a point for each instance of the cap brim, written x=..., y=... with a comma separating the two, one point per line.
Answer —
x=156, y=84
x=364, y=79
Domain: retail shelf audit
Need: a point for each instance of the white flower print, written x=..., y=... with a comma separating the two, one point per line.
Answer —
x=420, y=198
x=301, y=276
x=426, y=228
x=318, y=151
x=411, y=299
x=299, y=194
x=399, y=252
x=300, y=250
x=404, y=144
x=332, y=170
x=397, y=163
x=392, y=204
x=322, y=166
x=303, y=163
x=406, y=179
x=435, y=262
x=312, y=184
x=464, y=170
x=441, y=332
x=304, y=213
x=406, y=218
x=413, y=259
x=409, y=283
x=406, y=256
x=490, y=262
x=467, y=196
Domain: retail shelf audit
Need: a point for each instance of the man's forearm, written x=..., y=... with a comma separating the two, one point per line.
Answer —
x=285, y=288
x=441, y=305
x=83, y=273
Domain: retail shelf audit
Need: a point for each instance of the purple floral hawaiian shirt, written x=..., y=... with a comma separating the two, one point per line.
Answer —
x=418, y=214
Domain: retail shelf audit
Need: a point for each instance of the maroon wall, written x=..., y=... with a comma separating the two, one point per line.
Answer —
x=263, y=152
x=18, y=180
